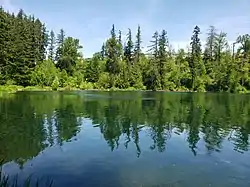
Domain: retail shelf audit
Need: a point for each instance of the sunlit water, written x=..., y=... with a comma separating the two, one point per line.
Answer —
x=127, y=138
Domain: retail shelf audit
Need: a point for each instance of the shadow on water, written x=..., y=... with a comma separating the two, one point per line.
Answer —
x=33, y=122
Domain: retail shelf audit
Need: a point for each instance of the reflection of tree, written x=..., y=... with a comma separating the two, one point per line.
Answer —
x=30, y=122
x=26, y=128
x=66, y=123
x=110, y=127
x=135, y=136
x=241, y=140
x=22, y=134
x=167, y=113
x=194, y=120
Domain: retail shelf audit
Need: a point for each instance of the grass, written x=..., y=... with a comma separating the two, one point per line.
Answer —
x=6, y=182
x=37, y=88
x=10, y=88
x=13, y=89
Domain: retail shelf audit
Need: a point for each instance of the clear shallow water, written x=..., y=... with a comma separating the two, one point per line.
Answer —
x=127, y=138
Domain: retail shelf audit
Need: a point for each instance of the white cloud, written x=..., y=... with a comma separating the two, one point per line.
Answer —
x=8, y=5
x=232, y=25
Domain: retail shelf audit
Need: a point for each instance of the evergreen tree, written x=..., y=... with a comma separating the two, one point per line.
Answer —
x=128, y=52
x=52, y=42
x=113, y=56
x=153, y=49
x=220, y=44
x=103, y=51
x=195, y=62
x=120, y=37
x=4, y=40
x=94, y=68
x=209, y=52
x=43, y=42
x=137, y=49
x=182, y=70
x=243, y=60
x=209, y=57
x=69, y=54
x=220, y=65
x=60, y=42
x=153, y=78
x=24, y=40
x=163, y=41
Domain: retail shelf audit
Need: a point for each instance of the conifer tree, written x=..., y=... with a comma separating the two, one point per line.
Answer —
x=162, y=57
x=103, y=51
x=60, y=42
x=195, y=62
x=138, y=42
x=52, y=45
x=113, y=56
x=153, y=49
x=4, y=38
x=128, y=52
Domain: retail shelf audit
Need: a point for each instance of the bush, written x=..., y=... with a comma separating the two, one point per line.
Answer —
x=71, y=82
x=241, y=89
x=63, y=78
x=86, y=86
x=104, y=81
x=10, y=82
x=44, y=74
x=55, y=83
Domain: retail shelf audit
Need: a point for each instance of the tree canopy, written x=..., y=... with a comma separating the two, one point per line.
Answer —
x=32, y=55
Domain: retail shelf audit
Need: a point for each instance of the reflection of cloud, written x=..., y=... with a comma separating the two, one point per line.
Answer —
x=8, y=5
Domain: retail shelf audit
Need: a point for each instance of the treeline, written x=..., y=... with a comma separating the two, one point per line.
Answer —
x=30, y=55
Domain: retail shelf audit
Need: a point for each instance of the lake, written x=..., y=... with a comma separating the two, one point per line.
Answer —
x=120, y=139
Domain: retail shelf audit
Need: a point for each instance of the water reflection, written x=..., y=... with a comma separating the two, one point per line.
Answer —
x=31, y=122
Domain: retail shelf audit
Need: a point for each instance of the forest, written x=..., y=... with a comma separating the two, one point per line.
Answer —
x=30, y=55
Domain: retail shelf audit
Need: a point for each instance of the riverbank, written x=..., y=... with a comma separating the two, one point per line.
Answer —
x=14, y=88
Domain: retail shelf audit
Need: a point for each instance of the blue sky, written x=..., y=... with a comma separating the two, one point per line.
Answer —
x=91, y=20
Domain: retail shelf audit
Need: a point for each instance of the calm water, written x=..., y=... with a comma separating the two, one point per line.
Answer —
x=125, y=139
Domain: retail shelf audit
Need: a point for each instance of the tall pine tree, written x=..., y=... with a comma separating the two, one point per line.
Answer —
x=52, y=42
x=196, y=64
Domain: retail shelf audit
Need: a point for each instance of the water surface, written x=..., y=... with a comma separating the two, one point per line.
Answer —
x=127, y=138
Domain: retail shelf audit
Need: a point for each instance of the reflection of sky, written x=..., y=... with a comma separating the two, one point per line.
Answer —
x=89, y=161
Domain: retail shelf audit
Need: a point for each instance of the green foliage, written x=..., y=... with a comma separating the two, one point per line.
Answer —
x=10, y=88
x=68, y=54
x=86, y=86
x=63, y=78
x=44, y=74
x=55, y=84
x=51, y=43
x=103, y=81
x=24, y=43
x=197, y=67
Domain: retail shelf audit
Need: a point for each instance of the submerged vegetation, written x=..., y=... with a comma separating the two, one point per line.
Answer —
x=32, y=56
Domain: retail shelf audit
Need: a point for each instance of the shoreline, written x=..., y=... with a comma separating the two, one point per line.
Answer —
x=8, y=89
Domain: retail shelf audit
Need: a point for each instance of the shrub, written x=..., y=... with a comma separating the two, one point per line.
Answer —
x=55, y=83
x=103, y=81
x=86, y=86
